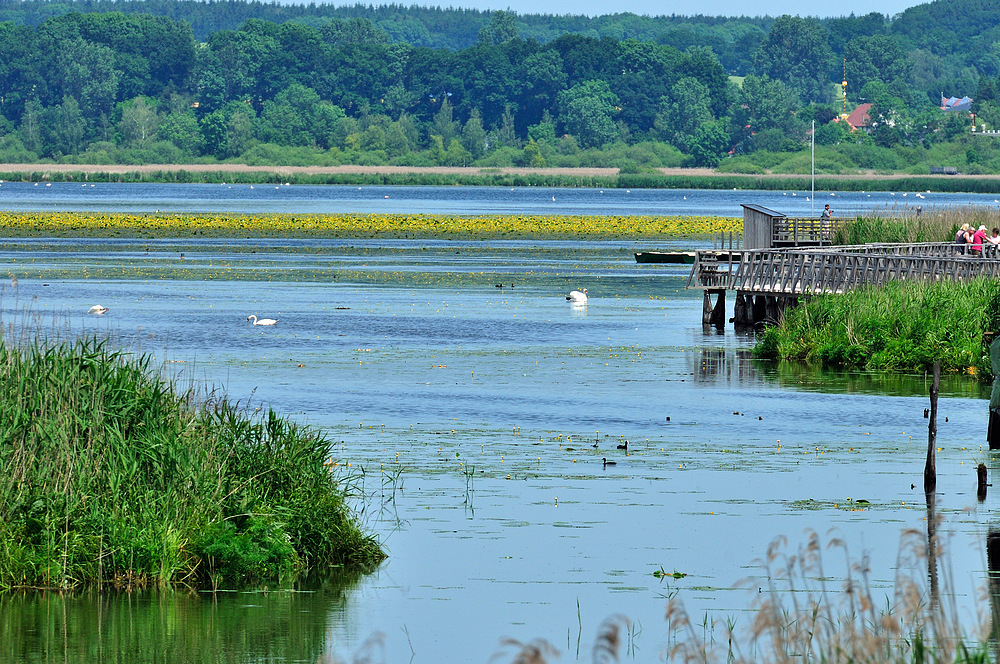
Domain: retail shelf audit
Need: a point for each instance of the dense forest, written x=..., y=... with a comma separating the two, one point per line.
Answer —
x=172, y=81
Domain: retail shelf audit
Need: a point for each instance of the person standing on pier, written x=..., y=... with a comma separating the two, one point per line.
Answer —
x=977, y=241
x=992, y=242
x=827, y=212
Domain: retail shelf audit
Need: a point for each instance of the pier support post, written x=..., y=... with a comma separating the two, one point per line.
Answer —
x=774, y=309
x=718, y=318
x=743, y=310
x=759, y=309
x=706, y=308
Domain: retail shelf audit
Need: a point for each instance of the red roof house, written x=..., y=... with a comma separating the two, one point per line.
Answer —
x=859, y=119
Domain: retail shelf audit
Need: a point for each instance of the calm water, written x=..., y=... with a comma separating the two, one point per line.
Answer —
x=469, y=415
x=65, y=196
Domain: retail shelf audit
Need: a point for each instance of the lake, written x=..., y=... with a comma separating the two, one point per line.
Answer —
x=261, y=198
x=471, y=406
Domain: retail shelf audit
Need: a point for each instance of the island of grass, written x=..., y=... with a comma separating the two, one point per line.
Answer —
x=110, y=477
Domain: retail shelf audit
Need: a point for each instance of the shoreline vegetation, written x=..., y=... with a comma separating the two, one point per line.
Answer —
x=655, y=178
x=901, y=326
x=113, y=478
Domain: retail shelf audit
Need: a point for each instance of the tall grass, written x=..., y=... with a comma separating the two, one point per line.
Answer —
x=904, y=225
x=896, y=327
x=109, y=476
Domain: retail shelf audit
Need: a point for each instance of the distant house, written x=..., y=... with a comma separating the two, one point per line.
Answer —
x=858, y=119
x=956, y=104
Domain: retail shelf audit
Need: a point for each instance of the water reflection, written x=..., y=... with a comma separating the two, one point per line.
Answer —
x=802, y=377
x=176, y=627
x=737, y=366
x=725, y=366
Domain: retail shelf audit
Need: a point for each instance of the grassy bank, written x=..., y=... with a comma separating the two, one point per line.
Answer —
x=489, y=177
x=465, y=227
x=899, y=327
x=111, y=477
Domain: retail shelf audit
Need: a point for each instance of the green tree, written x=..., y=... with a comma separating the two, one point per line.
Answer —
x=138, y=124
x=540, y=77
x=545, y=131
x=796, y=52
x=683, y=112
x=297, y=116
x=86, y=72
x=588, y=110
x=213, y=133
x=875, y=58
x=353, y=31
x=501, y=29
x=443, y=125
x=533, y=154
x=709, y=144
x=765, y=104
x=67, y=127
x=888, y=116
x=832, y=133
x=505, y=135
x=239, y=131
x=181, y=129
x=30, y=127
x=474, y=136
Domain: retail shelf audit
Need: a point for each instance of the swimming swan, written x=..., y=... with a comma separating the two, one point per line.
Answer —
x=97, y=309
x=262, y=321
x=578, y=297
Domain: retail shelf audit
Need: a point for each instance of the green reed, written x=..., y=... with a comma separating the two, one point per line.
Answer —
x=111, y=477
x=903, y=224
x=897, y=327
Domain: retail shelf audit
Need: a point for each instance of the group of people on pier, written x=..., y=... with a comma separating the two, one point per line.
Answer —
x=977, y=242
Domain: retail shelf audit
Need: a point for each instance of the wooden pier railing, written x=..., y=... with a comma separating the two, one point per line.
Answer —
x=796, y=272
x=798, y=231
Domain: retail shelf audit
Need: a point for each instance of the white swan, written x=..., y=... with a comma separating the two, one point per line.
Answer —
x=97, y=309
x=577, y=297
x=262, y=321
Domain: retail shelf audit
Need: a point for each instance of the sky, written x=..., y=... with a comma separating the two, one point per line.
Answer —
x=667, y=7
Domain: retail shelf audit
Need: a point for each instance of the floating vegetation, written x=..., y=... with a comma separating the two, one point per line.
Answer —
x=662, y=574
x=467, y=227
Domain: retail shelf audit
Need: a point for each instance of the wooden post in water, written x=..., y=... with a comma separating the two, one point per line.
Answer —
x=993, y=419
x=717, y=317
x=930, y=472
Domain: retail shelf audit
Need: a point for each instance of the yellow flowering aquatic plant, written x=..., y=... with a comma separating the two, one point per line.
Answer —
x=102, y=224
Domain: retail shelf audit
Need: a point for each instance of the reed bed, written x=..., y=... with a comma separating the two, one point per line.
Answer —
x=111, y=477
x=903, y=224
x=901, y=326
x=465, y=227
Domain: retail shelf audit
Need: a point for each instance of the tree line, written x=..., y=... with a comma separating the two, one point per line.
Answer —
x=126, y=85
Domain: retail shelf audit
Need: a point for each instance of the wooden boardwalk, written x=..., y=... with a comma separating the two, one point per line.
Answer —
x=768, y=280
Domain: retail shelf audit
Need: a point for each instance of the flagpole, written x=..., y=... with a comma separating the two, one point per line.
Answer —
x=812, y=198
